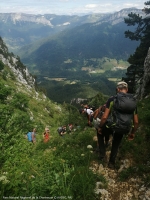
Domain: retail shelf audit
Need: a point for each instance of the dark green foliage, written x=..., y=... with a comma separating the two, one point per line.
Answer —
x=5, y=113
x=1, y=65
x=142, y=33
x=87, y=87
x=82, y=183
x=20, y=101
x=10, y=104
x=132, y=72
x=98, y=100
x=5, y=91
x=11, y=117
x=127, y=173
x=73, y=116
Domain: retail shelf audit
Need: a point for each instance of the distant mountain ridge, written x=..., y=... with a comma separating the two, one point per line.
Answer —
x=19, y=29
x=119, y=16
x=49, y=19
x=104, y=38
x=57, y=20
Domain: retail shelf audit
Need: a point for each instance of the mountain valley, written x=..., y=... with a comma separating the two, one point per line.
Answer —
x=81, y=51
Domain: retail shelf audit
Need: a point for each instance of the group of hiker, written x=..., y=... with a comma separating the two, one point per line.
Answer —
x=116, y=118
x=62, y=130
x=31, y=136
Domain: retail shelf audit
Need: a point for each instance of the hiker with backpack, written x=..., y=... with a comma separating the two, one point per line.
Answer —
x=120, y=117
x=89, y=114
x=61, y=130
x=103, y=139
x=31, y=136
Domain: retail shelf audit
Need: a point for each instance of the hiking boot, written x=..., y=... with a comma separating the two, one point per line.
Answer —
x=111, y=166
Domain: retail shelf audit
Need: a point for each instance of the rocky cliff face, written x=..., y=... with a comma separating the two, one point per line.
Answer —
x=19, y=70
x=119, y=16
x=144, y=89
x=21, y=17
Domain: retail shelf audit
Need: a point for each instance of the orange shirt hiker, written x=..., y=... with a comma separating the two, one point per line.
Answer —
x=46, y=135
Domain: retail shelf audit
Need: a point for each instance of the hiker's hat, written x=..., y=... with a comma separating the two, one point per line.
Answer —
x=122, y=84
x=46, y=129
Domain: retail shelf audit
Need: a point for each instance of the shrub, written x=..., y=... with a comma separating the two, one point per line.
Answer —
x=5, y=91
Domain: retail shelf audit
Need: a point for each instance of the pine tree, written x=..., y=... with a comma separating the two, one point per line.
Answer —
x=142, y=34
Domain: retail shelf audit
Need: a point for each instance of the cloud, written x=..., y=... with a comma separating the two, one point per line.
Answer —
x=129, y=5
x=89, y=6
x=67, y=6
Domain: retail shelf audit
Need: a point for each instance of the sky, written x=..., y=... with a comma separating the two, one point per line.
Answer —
x=67, y=7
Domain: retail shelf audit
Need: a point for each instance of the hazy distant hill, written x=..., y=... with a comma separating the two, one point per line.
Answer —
x=69, y=49
x=19, y=29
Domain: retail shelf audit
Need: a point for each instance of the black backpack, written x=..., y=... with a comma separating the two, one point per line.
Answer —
x=124, y=105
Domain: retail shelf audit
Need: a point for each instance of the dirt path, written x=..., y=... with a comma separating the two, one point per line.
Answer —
x=132, y=189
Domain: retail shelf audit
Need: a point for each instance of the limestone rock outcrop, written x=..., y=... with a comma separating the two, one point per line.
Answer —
x=144, y=90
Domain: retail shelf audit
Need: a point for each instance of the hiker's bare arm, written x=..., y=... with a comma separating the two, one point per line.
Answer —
x=96, y=112
x=104, y=117
x=33, y=137
x=135, y=123
x=89, y=119
x=99, y=109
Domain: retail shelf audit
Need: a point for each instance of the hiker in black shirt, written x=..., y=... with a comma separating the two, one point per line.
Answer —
x=122, y=87
x=61, y=130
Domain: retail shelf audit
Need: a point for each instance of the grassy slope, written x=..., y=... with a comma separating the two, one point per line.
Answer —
x=41, y=169
x=60, y=167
